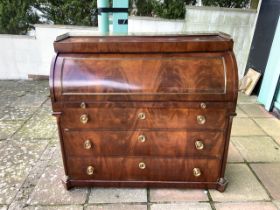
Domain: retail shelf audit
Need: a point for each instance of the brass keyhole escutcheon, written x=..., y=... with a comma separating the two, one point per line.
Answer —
x=141, y=116
x=90, y=170
x=83, y=105
x=142, y=165
x=196, y=172
x=203, y=105
x=141, y=138
x=201, y=119
x=199, y=145
x=87, y=144
x=84, y=118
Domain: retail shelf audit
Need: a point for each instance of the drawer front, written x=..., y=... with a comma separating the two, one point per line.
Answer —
x=144, y=169
x=143, y=143
x=141, y=118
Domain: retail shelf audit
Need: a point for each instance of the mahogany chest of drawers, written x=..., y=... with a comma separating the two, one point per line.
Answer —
x=144, y=111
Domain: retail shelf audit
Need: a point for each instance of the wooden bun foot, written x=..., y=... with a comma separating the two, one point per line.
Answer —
x=66, y=183
x=222, y=184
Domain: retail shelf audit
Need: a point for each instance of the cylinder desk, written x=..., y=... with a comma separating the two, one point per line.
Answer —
x=144, y=111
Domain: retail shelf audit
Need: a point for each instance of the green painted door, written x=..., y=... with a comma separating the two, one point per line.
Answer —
x=120, y=19
x=270, y=94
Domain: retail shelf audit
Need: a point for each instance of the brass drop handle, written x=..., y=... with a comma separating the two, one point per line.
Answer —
x=196, y=172
x=90, y=170
x=142, y=165
x=87, y=144
x=199, y=145
x=141, y=138
x=141, y=116
x=84, y=118
x=201, y=119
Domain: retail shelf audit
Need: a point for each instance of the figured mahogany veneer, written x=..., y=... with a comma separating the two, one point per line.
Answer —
x=144, y=111
x=144, y=143
x=127, y=168
x=128, y=118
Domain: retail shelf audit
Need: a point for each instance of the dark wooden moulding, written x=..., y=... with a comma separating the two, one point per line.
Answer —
x=184, y=85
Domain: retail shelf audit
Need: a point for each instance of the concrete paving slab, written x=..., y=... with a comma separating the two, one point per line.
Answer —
x=50, y=191
x=117, y=207
x=181, y=206
x=3, y=207
x=255, y=110
x=16, y=160
x=243, y=186
x=245, y=127
x=240, y=112
x=270, y=125
x=246, y=206
x=8, y=128
x=277, y=203
x=244, y=99
x=269, y=174
x=16, y=113
x=177, y=195
x=41, y=126
x=234, y=155
x=117, y=195
x=61, y=207
x=257, y=149
x=30, y=99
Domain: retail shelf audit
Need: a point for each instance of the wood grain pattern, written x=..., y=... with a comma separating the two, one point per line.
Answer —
x=155, y=118
x=172, y=80
x=127, y=168
x=156, y=143
x=148, y=75
x=115, y=77
x=145, y=44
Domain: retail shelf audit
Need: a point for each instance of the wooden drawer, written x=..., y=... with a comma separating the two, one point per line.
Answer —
x=143, y=143
x=153, y=169
x=141, y=118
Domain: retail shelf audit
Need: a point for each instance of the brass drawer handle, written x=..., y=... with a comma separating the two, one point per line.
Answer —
x=87, y=144
x=142, y=165
x=90, y=170
x=84, y=118
x=199, y=145
x=141, y=116
x=201, y=119
x=83, y=105
x=141, y=138
x=196, y=172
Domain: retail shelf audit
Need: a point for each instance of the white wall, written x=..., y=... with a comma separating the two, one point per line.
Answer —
x=156, y=25
x=24, y=55
x=45, y=36
x=17, y=56
x=239, y=23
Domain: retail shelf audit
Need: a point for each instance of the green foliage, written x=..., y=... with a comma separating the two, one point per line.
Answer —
x=254, y=4
x=226, y=3
x=69, y=12
x=144, y=7
x=171, y=9
x=17, y=17
x=190, y=2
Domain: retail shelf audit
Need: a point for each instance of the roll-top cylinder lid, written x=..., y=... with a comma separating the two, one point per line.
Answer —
x=144, y=68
